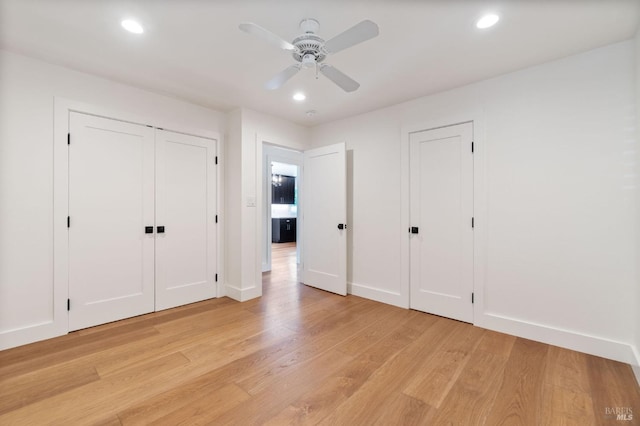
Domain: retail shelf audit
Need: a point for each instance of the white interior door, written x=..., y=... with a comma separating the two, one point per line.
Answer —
x=324, y=213
x=111, y=172
x=185, y=219
x=441, y=197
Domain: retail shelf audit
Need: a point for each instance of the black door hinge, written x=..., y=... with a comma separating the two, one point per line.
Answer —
x=473, y=224
x=472, y=298
x=68, y=304
x=216, y=218
x=216, y=277
x=68, y=138
x=68, y=221
x=216, y=159
x=471, y=147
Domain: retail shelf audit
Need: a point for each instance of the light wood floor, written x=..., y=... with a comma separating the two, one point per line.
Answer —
x=300, y=355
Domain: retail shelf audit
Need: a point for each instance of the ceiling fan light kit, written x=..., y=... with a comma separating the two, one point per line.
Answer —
x=310, y=50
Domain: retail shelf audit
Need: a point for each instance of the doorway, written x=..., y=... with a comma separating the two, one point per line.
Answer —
x=320, y=204
x=281, y=214
x=284, y=178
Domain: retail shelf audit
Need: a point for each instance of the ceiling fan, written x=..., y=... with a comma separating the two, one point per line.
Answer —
x=309, y=50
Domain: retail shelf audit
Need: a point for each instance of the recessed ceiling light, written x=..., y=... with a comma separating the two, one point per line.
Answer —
x=299, y=97
x=487, y=21
x=132, y=26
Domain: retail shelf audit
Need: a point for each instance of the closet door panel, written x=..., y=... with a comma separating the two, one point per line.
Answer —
x=111, y=258
x=185, y=219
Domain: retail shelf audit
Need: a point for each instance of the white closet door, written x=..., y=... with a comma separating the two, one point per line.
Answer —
x=185, y=219
x=111, y=173
x=441, y=209
x=324, y=219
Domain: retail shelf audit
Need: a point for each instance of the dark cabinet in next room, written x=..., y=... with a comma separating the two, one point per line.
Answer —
x=283, y=230
x=283, y=191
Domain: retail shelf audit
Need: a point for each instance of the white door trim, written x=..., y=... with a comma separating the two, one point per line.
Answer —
x=479, y=202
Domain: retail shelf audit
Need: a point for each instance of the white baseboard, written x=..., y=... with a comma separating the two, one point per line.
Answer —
x=383, y=296
x=580, y=342
x=636, y=371
x=32, y=333
x=636, y=366
x=242, y=294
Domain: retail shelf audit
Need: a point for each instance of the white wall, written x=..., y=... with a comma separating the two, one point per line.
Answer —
x=255, y=129
x=554, y=202
x=28, y=88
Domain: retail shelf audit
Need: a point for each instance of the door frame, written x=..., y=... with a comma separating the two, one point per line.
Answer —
x=279, y=154
x=474, y=116
x=62, y=109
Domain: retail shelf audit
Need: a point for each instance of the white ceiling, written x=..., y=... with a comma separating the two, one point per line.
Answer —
x=193, y=49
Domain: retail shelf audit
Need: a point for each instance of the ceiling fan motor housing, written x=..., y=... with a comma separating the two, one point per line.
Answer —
x=308, y=44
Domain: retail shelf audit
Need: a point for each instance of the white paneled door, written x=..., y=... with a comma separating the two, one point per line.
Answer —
x=111, y=201
x=185, y=219
x=324, y=219
x=441, y=233
x=142, y=220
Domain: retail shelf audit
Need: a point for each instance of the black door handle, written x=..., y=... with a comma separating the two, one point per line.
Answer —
x=414, y=229
x=160, y=229
x=148, y=229
x=341, y=226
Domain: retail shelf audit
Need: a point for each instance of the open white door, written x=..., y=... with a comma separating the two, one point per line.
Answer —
x=441, y=221
x=185, y=219
x=111, y=240
x=324, y=219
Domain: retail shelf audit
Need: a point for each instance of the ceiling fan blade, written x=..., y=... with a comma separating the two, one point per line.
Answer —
x=266, y=35
x=363, y=31
x=282, y=77
x=338, y=77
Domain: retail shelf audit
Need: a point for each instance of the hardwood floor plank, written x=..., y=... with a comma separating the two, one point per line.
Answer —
x=444, y=366
x=204, y=407
x=221, y=370
x=519, y=399
x=44, y=383
x=53, y=354
x=569, y=370
x=272, y=399
x=568, y=408
x=99, y=400
x=471, y=398
x=365, y=405
x=321, y=337
x=186, y=342
x=404, y=410
x=612, y=387
x=320, y=402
